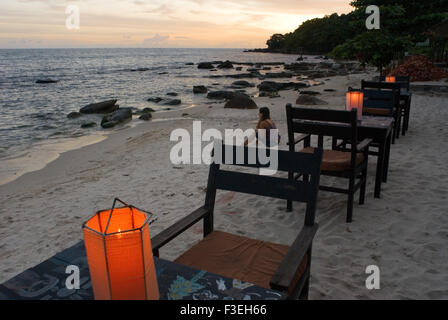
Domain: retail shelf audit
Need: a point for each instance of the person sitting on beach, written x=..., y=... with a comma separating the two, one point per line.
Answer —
x=265, y=125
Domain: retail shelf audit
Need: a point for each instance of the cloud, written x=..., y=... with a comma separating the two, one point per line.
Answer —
x=156, y=39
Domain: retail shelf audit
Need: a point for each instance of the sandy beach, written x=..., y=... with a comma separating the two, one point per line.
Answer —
x=405, y=233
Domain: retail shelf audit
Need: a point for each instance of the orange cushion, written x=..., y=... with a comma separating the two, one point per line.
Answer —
x=334, y=160
x=377, y=111
x=238, y=257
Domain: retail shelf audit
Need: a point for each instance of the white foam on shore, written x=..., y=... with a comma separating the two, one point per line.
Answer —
x=41, y=154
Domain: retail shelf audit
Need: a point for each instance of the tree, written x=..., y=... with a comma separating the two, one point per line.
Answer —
x=276, y=41
x=376, y=47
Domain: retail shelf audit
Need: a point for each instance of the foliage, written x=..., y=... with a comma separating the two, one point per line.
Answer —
x=375, y=47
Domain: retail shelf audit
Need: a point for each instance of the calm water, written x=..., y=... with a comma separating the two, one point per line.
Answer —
x=31, y=113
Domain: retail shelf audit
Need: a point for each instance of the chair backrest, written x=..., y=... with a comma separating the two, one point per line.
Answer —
x=321, y=122
x=268, y=186
x=381, y=96
x=404, y=81
x=337, y=124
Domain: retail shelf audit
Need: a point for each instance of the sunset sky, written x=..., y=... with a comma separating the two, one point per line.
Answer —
x=156, y=23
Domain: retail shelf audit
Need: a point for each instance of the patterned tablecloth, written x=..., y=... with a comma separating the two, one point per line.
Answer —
x=47, y=281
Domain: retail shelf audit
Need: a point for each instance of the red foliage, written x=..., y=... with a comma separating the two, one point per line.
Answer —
x=419, y=68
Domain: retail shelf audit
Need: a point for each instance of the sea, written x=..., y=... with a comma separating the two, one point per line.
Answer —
x=34, y=116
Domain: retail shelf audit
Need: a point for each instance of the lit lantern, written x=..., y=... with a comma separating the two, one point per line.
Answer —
x=120, y=256
x=390, y=79
x=355, y=99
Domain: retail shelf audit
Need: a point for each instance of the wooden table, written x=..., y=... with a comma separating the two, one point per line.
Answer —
x=379, y=129
x=46, y=281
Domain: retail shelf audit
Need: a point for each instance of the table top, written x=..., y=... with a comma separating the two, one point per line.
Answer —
x=376, y=122
x=46, y=281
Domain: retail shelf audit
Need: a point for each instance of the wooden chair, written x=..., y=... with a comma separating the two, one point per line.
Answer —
x=383, y=99
x=337, y=162
x=268, y=265
x=405, y=99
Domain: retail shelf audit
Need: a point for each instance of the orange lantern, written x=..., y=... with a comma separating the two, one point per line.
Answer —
x=119, y=254
x=355, y=99
x=390, y=79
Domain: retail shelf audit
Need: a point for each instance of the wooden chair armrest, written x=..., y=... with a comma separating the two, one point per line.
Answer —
x=364, y=144
x=300, y=138
x=287, y=270
x=176, y=229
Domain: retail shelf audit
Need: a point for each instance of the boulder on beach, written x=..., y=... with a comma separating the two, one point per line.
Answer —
x=309, y=100
x=220, y=95
x=146, y=116
x=278, y=75
x=119, y=116
x=205, y=65
x=239, y=68
x=225, y=65
x=270, y=86
x=330, y=90
x=172, y=94
x=312, y=93
x=100, y=107
x=243, y=84
x=199, y=89
x=189, y=64
x=173, y=102
x=74, y=115
x=44, y=81
x=240, y=101
x=140, y=69
x=155, y=100
x=271, y=94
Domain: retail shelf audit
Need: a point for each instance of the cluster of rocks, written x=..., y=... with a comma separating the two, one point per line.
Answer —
x=323, y=69
x=113, y=114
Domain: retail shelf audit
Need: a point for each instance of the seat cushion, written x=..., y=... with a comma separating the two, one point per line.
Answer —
x=238, y=257
x=334, y=160
x=377, y=111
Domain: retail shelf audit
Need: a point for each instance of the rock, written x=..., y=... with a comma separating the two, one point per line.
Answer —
x=146, y=110
x=239, y=68
x=88, y=124
x=329, y=90
x=309, y=100
x=184, y=114
x=273, y=94
x=45, y=81
x=155, y=100
x=205, y=65
x=173, y=102
x=270, y=86
x=189, y=64
x=253, y=70
x=267, y=68
x=241, y=101
x=199, y=89
x=243, y=75
x=279, y=75
x=74, y=115
x=243, y=84
x=220, y=95
x=312, y=93
x=146, y=116
x=119, y=116
x=100, y=107
x=213, y=70
x=225, y=65
x=172, y=94
x=299, y=59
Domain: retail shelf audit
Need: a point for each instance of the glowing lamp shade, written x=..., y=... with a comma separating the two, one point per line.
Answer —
x=120, y=256
x=355, y=99
x=390, y=79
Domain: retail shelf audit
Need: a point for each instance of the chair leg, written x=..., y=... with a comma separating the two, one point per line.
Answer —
x=351, y=195
x=398, y=125
x=305, y=290
x=362, y=192
x=403, y=116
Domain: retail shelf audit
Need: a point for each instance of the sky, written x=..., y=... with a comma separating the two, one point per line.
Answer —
x=155, y=23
